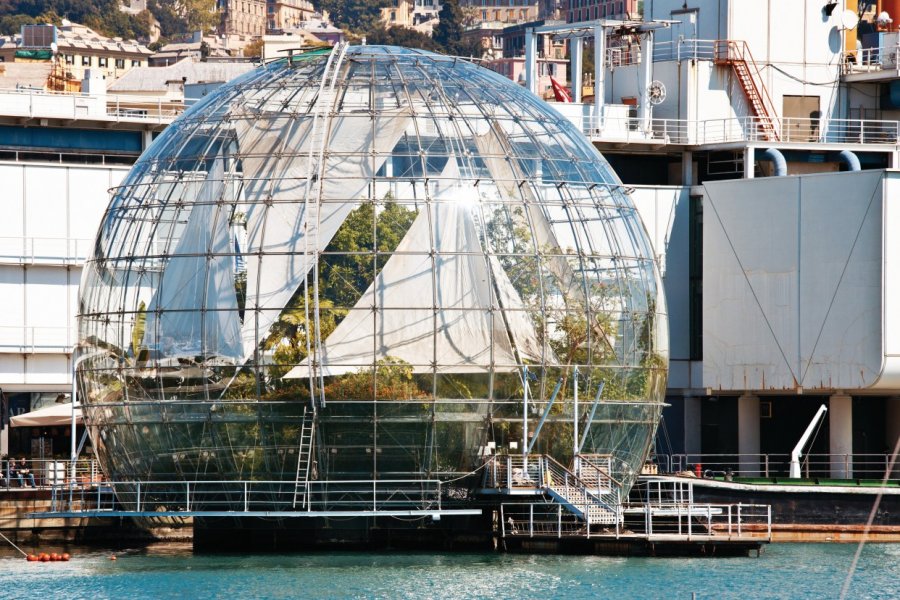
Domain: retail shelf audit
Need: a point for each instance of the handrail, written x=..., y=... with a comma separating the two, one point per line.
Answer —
x=589, y=460
x=739, y=51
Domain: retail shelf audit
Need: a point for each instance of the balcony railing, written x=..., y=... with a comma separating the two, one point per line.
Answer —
x=812, y=466
x=614, y=128
x=68, y=105
x=44, y=251
x=21, y=339
x=871, y=60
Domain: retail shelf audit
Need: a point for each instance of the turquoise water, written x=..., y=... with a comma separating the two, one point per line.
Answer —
x=783, y=571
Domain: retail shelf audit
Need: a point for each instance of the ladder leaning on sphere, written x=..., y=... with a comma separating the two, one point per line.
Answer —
x=304, y=461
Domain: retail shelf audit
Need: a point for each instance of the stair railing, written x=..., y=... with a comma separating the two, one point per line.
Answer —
x=734, y=52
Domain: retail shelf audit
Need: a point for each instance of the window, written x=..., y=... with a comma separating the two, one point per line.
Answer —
x=135, y=63
x=85, y=61
x=70, y=59
x=120, y=63
x=102, y=61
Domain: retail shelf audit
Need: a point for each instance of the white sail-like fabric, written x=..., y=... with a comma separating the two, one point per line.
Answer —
x=201, y=267
x=435, y=312
x=503, y=172
x=282, y=241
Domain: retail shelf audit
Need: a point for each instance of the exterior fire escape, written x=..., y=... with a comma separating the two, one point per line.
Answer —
x=736, y=54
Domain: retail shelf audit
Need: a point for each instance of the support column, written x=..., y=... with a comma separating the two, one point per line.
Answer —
x=840, y=430
x=692, y=425
x=647, y=79
x=687, y=168
x=599, y=72
x=531, y=61
x=748, y=435
x=146, y=139
x=576, y=61
x=749, y=163
x=892, y=427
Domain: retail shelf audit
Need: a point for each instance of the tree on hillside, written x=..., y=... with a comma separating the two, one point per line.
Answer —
x=448, y=32
x=355, y=15
x=103, y=16
x=400, y=36
x=184, y=16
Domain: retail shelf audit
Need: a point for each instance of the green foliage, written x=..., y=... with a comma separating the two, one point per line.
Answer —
x=103, y=16
x=355, y=15
x=12, y=24
x=178, y=17
x=400, y=36
x=448, y=32
x=391, y=378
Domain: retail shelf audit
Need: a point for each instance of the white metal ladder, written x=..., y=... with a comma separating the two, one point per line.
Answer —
x=304, y=459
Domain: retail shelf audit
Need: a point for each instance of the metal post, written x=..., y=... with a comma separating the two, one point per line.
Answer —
x=74, y=450
x=599, y=72
x=246, y=498
x=576, y=63
x=647, y=72
x=531, y=60
x=525, y=411
x=575, y=447
x=502, y=522
x=138, y=496
x=531, y=520
x=187, y=495
x=559, y=520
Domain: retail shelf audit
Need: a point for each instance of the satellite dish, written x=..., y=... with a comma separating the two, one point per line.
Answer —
x=54, y=48
x=657, y=92
x=849, y=19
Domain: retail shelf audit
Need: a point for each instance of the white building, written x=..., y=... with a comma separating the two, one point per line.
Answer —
x=59, y=156
x=778, y=288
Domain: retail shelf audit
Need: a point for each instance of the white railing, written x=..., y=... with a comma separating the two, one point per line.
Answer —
x=677, y=522
x=44, y=250
x=73, y=105
x=615, y=128
x=199, y=496
x=22, y=339
x=43, y=473
x=871, y=60
x=770, y=466
x=684, y=49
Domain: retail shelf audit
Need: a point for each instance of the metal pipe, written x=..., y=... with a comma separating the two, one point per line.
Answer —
x=575, y=49
x=797, y=452
x=850, y=159
x=777, y=159
x=528, y=446
x=587, y=426
x=647, y=79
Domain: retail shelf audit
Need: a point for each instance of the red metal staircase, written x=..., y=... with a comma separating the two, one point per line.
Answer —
x=736, y=53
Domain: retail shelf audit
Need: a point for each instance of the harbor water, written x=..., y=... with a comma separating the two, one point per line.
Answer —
x=173, y=571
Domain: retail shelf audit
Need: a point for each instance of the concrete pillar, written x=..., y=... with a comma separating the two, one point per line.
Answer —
x=840, y=431
x=575, y=59
x=687, y=168
x=749, y=163
x=748, y=435
x=531, y=61
x=892, y=427
x=146, y=139
x=692, y=425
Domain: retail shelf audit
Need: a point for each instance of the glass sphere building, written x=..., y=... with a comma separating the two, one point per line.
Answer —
x=357, y=265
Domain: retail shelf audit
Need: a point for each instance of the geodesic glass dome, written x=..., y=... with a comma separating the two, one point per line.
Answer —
x=356, y=265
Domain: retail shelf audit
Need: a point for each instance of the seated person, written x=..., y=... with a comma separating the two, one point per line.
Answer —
x=13, y=473
x=26, y=472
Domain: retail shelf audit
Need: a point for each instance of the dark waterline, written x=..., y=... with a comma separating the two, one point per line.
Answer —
x=173, y=571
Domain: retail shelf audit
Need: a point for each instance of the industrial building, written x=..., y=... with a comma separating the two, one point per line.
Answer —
x=736, y=123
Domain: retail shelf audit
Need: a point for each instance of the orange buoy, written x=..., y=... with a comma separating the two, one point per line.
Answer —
x=54, y=556
x=45, y=558
x=65, y=556
x=113, y=557
x=31, y=558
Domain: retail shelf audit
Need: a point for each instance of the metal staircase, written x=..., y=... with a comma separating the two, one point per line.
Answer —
x=588, y=501
x=304, y=459
x=736, y=54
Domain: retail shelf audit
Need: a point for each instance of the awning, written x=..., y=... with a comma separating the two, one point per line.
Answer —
x=49, y=416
